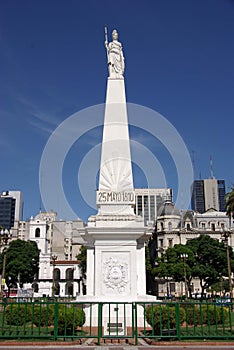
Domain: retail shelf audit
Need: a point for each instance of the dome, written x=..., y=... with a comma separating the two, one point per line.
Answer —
x=168, y=208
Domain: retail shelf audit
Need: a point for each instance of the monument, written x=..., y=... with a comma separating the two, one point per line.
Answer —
x=115, y=236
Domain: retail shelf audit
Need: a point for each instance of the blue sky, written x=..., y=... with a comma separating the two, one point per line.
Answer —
x=179, y=62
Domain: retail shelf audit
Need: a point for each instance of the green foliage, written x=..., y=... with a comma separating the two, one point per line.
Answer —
x=206, y=260
x=69, y=316
x=206, y=314
x=163, y=316
x=22, y=262
x=42, y=315
x=69, y=319
x=210, y=260
x=17, y=314
x=82, y=257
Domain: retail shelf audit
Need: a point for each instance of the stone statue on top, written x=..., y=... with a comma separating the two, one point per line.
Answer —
x=114, y=56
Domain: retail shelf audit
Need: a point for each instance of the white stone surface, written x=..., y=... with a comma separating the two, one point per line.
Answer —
x=116, y=236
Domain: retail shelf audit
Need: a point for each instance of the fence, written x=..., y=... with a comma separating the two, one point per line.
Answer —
x=157, y=321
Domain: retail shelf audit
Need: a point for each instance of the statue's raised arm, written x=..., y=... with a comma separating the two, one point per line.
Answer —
x=114, y=56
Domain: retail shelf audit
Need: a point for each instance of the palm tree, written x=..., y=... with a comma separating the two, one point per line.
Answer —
x=230, y=203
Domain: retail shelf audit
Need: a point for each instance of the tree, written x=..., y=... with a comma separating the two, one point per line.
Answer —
x=206, y=259
x=172, y=265
x=82, y=257
x=210, y=260
x=230, y=203
x=22, y=262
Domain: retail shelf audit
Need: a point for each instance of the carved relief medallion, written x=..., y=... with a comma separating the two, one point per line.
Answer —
x=115, y=274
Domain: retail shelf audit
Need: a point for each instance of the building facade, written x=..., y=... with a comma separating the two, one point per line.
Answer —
x=178, y=227
x=207, y=194
x=59, y=243
x=148, y=202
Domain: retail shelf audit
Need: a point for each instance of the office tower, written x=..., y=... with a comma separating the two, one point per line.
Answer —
x=11, y=208
x=18, y=204
x=207, y=194
x=149, y=200
x=7, y=211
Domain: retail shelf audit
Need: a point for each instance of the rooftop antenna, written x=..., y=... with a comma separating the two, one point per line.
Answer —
x=211, y=168
x=193, y=163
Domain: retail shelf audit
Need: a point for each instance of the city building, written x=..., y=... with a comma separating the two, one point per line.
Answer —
x=11, y=208
x=148, y=202
x=7, y=211
x=18, y=204
x=59, y=243
x=207, y=194
x=178, y=227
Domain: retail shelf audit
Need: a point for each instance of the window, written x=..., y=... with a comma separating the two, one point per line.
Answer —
x=170, y=243
x=188, y=227
x=172, y=287
x=212, y=227
x=69, y=274
x=37, y=232
x=162, y=228
x=169, y=226
x=56, y=274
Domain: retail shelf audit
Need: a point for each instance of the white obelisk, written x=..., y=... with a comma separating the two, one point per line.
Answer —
x=116, y=236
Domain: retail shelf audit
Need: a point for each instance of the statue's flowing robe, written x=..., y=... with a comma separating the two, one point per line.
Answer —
x=115, y=57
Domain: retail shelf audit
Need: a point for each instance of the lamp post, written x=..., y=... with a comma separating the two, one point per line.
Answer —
x=184, y=257
x=4, y=237
x=225, y=235
x=54, y=258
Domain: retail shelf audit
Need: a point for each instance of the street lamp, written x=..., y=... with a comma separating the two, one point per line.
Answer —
x=225, y=235
x=54, y=258
x=4, y=237
x=184, y=257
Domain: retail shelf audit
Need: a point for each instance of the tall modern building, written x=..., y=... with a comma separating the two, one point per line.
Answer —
x=11, y=208
x=207, y=194
x=18, y=204
x=148, y=202
x=7, y=211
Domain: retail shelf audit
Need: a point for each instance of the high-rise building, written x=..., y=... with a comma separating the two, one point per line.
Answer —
x=18, y=204
x=7, y=211
x=207, y=194
x=149, y=200
x=11, y=208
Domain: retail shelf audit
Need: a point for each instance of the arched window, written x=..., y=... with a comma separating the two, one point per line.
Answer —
x=69, y=274
x=188, y=227
x=212, y=227
x=56, y=274
x=169, y=226
x=162, y=228
x=37, y=232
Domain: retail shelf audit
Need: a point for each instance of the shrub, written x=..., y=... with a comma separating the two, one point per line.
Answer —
x=17, y=314
x=69, y=318
x=43, y=315
x=205, y=314
x=163, y=316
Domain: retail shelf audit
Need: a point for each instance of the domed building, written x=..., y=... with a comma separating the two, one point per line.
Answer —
x=168, y=217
